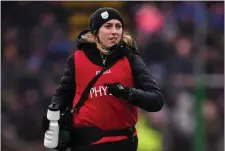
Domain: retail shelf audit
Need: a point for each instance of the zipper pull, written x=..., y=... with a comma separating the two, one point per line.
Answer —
x=104, y=61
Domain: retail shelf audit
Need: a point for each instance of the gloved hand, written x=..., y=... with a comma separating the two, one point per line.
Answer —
x=64, y=133
x=45, y=123
x=118, y=90
x=65, y=122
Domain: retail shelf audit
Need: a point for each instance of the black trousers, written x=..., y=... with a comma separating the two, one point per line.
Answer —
x=129, y=144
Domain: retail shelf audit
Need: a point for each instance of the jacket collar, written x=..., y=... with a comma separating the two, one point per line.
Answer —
x=118, y=51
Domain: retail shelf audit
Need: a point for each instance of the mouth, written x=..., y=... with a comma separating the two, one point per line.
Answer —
x=113, y=38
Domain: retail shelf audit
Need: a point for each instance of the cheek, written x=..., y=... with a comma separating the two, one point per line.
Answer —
x=102, y=38
x=120, y=34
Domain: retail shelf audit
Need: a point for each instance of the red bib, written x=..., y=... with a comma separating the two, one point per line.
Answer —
x=101, y=110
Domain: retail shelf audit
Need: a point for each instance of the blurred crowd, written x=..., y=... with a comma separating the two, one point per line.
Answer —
x=177, y=40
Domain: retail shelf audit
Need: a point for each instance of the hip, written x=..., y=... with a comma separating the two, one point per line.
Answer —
x=93, y=135
x=130, y=143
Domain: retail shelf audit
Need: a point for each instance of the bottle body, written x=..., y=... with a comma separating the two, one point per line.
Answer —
x=52, y=134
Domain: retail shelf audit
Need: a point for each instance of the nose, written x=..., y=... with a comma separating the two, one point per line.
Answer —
x=114, y=30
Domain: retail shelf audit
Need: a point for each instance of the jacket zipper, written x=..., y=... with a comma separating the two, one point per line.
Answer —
x=104, y=60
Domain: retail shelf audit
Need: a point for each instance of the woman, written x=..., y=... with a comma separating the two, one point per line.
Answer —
x=106, y=120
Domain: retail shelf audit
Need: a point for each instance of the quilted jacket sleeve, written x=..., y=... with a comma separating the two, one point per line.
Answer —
x=64, y=93
x=146, y=94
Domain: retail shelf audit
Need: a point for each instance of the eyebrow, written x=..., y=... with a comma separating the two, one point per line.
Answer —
x=112, y=23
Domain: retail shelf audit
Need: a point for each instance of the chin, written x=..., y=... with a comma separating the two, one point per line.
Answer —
x=112, y=44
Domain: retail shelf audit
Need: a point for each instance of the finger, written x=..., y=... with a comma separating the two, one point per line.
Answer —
x=107, y=84
x=108, y=92
x=117, y=83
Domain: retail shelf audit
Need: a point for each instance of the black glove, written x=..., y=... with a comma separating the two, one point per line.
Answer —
x=65, y=123
x=66, y=120
x=66, y=126
x=45, y=123
x=118, y=90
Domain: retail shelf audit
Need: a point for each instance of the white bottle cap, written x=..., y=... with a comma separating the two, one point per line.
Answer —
x=53, y=115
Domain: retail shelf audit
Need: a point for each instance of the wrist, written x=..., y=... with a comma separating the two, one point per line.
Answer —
x=129, y=96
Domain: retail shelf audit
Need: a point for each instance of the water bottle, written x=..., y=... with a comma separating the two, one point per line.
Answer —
x=52, y=134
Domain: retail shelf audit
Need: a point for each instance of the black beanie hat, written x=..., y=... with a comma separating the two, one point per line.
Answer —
x=102, y=15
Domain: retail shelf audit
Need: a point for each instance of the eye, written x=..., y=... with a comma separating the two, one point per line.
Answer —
x=108, y=26
x=118, y=26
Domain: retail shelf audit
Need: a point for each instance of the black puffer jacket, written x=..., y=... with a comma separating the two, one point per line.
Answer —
x=146, y=93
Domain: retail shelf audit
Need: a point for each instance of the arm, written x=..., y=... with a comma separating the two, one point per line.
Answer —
x=64, y=93
x=146, y=94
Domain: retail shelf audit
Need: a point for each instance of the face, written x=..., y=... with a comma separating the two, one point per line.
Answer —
x=110, y=33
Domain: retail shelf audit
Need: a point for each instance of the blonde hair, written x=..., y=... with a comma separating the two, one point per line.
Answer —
x=91, y=38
